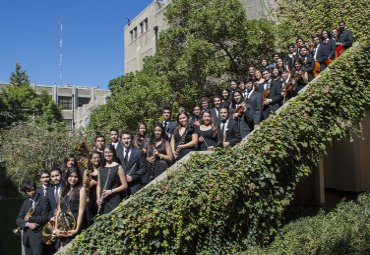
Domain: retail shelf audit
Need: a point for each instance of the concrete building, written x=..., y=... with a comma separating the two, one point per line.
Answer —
x=70, y=98
x=141, y=33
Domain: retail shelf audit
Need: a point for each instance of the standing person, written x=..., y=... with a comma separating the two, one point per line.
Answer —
x=320, y=53
x=209, y=135
x=215, y=111
x=300, y=75
x=288, y=89
x=298, y=42
x=45, y=183
x=251, y=71
x=290, y=57
x=259, y=79
x=308, y=62
x=99, y=143
x=159, y=155
x=111, y=181
x=168, y=125
x=90, y=181
x=69, y=162
x=225, y=101
x=195, y=119
x=133, y=161
x=264, y=64
x=114, y=137
x=31, y=218
x=54, y=191
x=329, y=44
x=230, y=133
x=72, y=202
x=233, y=87
x=204, y=103
x=141, y=139
x=345, y=36
x=274, y=100
x=184, y=139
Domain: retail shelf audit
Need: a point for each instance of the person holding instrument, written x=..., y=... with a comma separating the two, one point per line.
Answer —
x=111, y=182
x=209, y=135
x=90, y=182
x=71, y=208
x=159, y=154
x=184, y=139
x=31, y=218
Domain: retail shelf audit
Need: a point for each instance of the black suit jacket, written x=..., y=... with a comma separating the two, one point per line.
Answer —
x=216, y=120
x=232, y=132
x=254, y=108
x=346, y=38
x=309, y=65
x=53, y=203
x=170, y=128
x=275, y=96
x=40, y=190
x=40, y=217
x=136, y=168
x=119, y=152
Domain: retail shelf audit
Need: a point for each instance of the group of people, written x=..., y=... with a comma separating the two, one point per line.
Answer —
x=69, y=197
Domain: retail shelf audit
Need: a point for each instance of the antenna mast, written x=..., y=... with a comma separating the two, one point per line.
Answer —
x=61, y=52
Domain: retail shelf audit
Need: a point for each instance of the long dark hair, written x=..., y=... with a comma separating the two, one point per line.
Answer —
x=214, y=127
x=90, y=165
x=163, y=135
x=113, y=150
x=234, y=103
x=177, y=119
x=139, y=141
x=67, y=186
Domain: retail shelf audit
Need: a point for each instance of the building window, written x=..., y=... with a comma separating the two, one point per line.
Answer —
x=142, y=27
x=146, y=25
x=132, y=35
x=65, y=103
x=135, y=33
x=83, y=100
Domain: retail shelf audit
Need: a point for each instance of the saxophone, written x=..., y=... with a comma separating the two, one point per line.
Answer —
x=26, y=217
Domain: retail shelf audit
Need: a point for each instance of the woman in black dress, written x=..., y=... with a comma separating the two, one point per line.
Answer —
x=72, y=202
x=111, y=182
x=90, y=182
x=141, y=139
x=69, y=162
x=184, y=139
x=159, y=154
x=225, y=100
x=208, y=133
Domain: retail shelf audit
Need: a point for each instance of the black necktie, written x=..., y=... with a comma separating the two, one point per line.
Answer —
x=126, y=156
x=56, y=194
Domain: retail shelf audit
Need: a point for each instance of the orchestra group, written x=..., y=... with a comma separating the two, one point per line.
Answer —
x=69, y=197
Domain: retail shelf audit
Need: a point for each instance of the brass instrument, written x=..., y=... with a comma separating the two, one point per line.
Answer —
x=26, y=217
x=101, y=193
x=48, y=234
x=82, y=152
x=66, y=221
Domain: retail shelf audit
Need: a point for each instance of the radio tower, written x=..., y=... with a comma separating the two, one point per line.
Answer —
x=61, y=52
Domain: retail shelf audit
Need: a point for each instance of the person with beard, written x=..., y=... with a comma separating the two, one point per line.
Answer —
x=54, y=191
x=230, y=133
x=133, y=162
x=274, y=99
x=233, y=87
x=45, y=183
x=308, y=62
x=195, y=119
x=345, y=36
x=31, y=224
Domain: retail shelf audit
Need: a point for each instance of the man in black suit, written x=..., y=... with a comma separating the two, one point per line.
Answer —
x=274, y=100
x=32, y=223
x=320, y=52
x=215, y=111
x=309, y=63
x=195, y=119
x=168, y=125
x=345, y=37
x=133, y=162
x=54, y=191
x=229, y=129
x=45, y=183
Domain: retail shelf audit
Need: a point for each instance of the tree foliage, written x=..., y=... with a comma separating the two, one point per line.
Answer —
x=208, y=42
x=228, y=200
x=20, y=103
x=304, y=18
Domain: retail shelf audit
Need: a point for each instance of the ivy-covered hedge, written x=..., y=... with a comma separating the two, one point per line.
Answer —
x=235, y=197
x=346, y=230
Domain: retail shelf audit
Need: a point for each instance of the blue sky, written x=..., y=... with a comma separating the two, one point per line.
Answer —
x=92, y=39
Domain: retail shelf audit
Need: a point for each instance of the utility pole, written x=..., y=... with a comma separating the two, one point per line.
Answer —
x=61, y=52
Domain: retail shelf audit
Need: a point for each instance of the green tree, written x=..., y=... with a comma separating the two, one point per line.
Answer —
x=18, y=77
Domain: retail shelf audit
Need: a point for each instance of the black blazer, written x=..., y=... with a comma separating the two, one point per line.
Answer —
x=136, y=168
x=346, y=38
x=40, y=217
x=323, y=52
x=254, y=108
x=119, y=152
x=216, y=120
x=170, y=128
x=232, y=133
x=53, y=203
x=309, y=66
x=275, y=96
x=40, y=190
